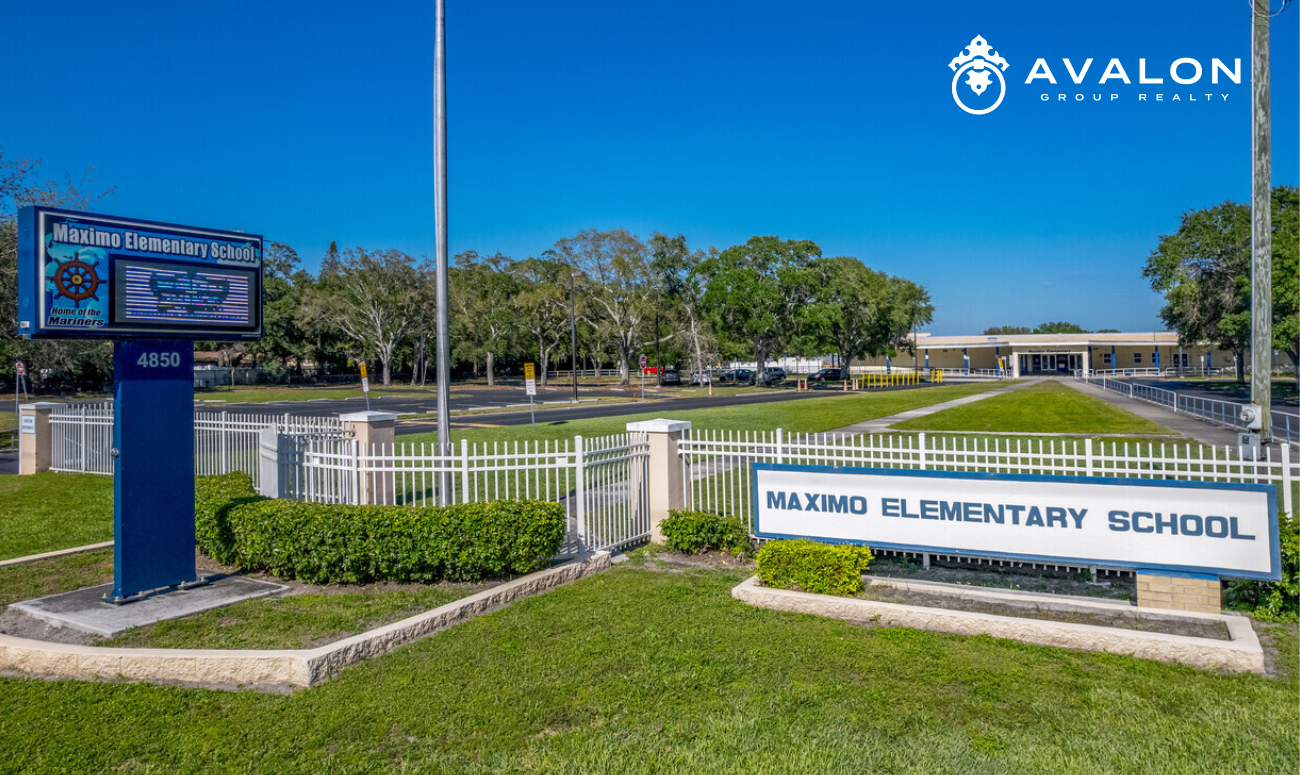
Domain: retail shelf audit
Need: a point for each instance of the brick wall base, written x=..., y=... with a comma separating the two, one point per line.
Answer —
x=1195, y=592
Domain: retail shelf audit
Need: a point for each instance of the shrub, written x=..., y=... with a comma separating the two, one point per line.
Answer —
x=214, y=497
x=1277, y=600
x=691, y=532
x=329, y=543
x=810, y=566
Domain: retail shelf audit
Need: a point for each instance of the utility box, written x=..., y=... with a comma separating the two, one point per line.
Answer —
x=1248, y=446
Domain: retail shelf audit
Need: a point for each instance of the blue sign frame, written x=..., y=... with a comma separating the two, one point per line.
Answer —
x=1274, y=574
x=83, y=275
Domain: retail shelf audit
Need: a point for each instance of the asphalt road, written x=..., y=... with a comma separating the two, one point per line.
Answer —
x=1223, y=391
x=553, y=405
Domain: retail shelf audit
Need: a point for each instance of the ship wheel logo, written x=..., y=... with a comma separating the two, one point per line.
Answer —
x=77, y=280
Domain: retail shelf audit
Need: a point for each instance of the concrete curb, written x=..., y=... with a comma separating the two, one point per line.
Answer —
x=58, y=553
x=294, y=667
x=1240, y=654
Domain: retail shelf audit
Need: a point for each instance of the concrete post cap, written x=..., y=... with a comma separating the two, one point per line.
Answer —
x=659, y=425
x=40, y=405
x=368, y=416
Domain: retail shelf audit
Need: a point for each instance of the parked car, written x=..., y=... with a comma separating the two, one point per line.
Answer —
x=826, y=375
x=743, y=377
x=669, y=376
x=774, y=375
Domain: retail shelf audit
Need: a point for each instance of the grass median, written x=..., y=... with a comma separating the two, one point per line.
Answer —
x=46, y=512
x=1044, y=407
x=638, y=670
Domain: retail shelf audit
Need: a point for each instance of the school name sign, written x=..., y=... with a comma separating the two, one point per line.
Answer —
x=1199, y=527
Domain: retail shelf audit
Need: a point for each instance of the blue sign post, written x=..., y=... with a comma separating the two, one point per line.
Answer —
x=153, y=288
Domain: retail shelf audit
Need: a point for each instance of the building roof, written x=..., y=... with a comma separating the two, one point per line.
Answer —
x=1168, y=338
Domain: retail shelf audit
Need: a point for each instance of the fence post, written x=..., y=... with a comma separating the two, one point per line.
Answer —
x=922, y=458
x=665, y=482
x=1087, y=456
x=1287, y=500
x=580, y=490
x=372, y=430
x=83, y=439
x=780, y=446
x=464, y=471
x=34, y=435
x=225, y=443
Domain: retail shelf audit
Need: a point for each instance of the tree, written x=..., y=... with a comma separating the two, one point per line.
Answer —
x=675, y=278
x=374, y=301
x=758, y=292
x=1286, y=274
x=282, y=335
x=852, y=311
x=1197, y=268
x=1059, y=327
x=540, y=305
x=618, y=299
x=1006, y=330
x=912, y=309
x=483, y=298
x=55, y=362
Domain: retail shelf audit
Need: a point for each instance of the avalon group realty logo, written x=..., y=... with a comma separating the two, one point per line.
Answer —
x=981, y=65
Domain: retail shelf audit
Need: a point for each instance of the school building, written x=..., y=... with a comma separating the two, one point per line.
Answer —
x=1028, y=354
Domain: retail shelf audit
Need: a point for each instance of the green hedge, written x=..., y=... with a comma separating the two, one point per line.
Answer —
x=327, y=543
x=691, y=532
x=809, y=566
x=1275, y=600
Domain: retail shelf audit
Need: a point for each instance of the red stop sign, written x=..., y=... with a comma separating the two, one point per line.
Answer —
x=21, y=368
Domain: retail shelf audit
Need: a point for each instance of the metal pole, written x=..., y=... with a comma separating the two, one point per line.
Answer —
x=1261, y=264
x=573, y=334
x=440, y=223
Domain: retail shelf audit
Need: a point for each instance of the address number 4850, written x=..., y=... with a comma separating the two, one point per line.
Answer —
x=159, y=360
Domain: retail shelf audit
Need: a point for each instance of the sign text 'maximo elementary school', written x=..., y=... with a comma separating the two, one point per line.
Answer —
x=1199, y=527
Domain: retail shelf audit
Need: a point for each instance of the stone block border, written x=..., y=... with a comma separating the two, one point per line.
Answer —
x=1240, y=654
x=229, y=668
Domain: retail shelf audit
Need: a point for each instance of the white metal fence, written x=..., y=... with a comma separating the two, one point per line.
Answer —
x=601, y=482
x=717, y=472
x=81, y=438
x=1285, y=425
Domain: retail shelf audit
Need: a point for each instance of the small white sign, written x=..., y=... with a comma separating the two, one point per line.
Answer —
x=27, y=423
x=365, y=385
x=1198, y=527
x=530, y=387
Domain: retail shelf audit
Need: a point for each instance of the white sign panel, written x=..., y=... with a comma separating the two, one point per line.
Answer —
x=1198, y=527
x=27, y=423
x=530, y=387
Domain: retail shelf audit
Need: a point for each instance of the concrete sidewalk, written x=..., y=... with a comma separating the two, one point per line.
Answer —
x=881, y=424
x=1185, y=424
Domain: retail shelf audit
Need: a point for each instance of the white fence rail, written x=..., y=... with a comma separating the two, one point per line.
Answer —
x=81, y=438
x=717, y=471
x=1285, y=425
x=601, y=482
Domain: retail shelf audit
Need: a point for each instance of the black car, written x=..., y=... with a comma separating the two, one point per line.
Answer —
x=826, y=375
x=670, y=376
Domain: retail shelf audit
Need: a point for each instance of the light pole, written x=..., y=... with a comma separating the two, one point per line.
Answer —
x=573, y=331
x=440, y=238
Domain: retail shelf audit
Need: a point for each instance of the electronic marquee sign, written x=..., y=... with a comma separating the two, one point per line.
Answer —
x=1216, y=528
x=84, y=275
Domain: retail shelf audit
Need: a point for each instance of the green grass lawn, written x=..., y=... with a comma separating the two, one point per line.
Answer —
x=636, y=670
x=807, y=415
x=1043, y=407
x=49, y=511
x=293, y=622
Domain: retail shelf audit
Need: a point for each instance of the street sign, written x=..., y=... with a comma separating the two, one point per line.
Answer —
x=363, y=369
x=365, y=383
x=83, y=275
x=643, y=362
x=22, y=370
x=530, y=379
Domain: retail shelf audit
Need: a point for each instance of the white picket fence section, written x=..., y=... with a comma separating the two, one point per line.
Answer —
x=1285, y=425
x=716, y=463
x=81, y=438
x=601, y=482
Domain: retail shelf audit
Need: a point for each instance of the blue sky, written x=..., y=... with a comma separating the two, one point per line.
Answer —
x=831, y=121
